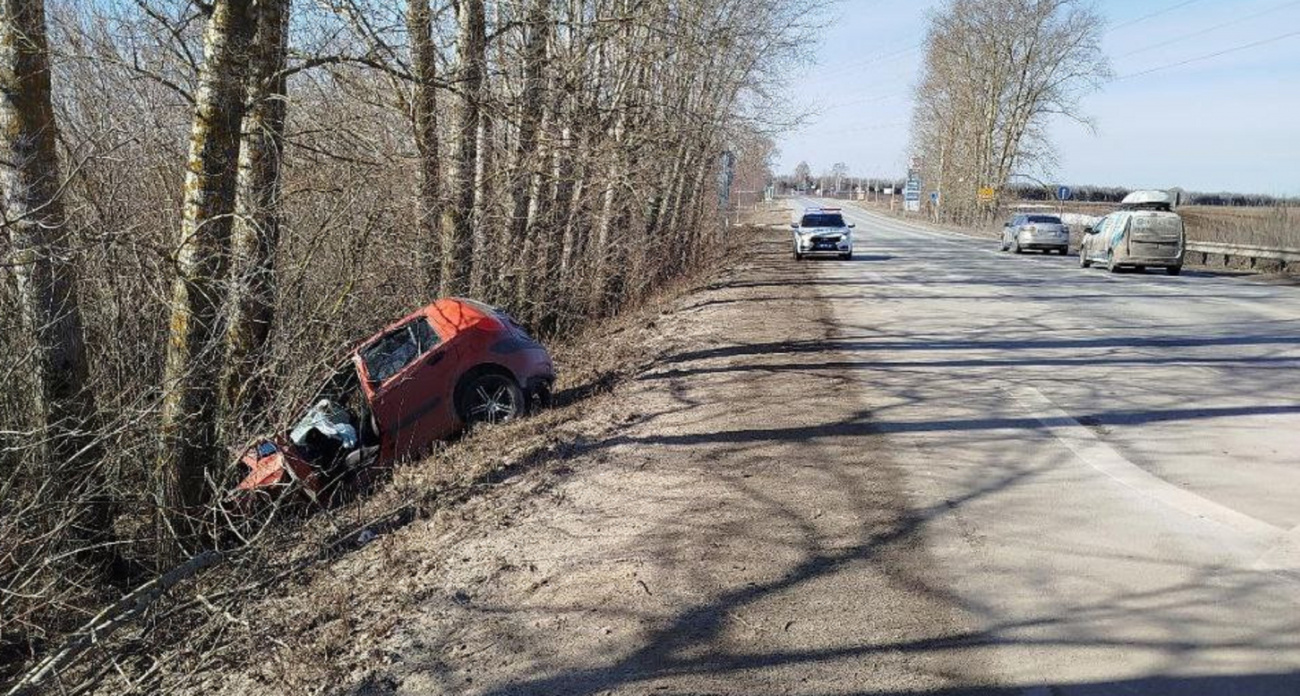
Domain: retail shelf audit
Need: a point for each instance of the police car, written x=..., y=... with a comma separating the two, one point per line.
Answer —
x=822, y=231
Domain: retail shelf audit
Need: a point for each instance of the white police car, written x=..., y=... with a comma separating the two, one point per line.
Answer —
x=822, y=231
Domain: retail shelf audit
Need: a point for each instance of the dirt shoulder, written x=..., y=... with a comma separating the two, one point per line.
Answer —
x=717, y=517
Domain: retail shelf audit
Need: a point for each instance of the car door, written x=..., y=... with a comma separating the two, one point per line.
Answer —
x=1009, y=230
x=1090, y=246
x=410, y=372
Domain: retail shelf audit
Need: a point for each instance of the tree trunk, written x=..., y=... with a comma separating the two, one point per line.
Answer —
x=602, y=250
x=457, y=219
x=428, y=199
x=256, y=233
x=44, y=271
x=527, y=179
x=189, y=413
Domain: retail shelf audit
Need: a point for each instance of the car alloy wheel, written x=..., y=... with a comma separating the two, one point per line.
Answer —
x=492, y=399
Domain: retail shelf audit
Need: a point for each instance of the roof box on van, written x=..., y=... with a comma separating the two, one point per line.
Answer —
x=1148, y=200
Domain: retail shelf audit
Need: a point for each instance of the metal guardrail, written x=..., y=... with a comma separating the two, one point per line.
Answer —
x=1243, y=251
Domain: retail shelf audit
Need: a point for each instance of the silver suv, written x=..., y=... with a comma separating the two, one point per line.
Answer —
x=1045, y=233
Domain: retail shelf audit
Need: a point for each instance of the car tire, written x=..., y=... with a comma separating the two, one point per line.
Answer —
x=846, y=257
x=490, y=398
x=1065, y=251
x=1015, y=245
x=1173, y=270
x=1110, y=262
x=1002, y=244
x=1083, y=258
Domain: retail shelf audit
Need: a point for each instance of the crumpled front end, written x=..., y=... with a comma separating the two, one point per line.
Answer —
x=272, y=469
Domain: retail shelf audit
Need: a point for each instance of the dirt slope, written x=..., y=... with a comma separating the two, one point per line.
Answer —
x=703, y=528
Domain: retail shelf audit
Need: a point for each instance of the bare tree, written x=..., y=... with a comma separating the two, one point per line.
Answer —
x=458, y=234
x=190, y=443
x=256, y=224
x=45, y=270
x=424, y=66
x=995, y=72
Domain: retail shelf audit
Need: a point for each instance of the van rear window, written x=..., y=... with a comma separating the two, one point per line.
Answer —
x=1159, y=224
x=1045, y=219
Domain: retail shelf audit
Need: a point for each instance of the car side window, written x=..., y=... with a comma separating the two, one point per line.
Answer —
x=399, y=348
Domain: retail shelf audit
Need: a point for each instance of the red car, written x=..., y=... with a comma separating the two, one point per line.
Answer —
x=452, y=364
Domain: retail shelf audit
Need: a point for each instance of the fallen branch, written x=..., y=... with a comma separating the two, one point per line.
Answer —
x=114, y=617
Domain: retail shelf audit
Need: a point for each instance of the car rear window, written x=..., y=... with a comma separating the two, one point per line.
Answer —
x=822, y=220
x=1045, y=219
x=1159, y=224
x=399, y=348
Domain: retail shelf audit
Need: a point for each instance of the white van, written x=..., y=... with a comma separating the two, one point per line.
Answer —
x=1143, y=232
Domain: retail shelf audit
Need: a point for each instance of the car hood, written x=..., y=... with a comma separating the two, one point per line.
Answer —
x=270, y=466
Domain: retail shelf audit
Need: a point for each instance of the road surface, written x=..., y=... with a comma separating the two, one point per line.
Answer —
x=1110, y=463
x=932, y=470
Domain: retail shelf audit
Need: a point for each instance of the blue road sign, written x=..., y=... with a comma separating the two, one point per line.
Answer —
x=934, y=196
x=1063, y=193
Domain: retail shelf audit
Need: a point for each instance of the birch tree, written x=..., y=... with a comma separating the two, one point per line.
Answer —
x=457, y=218
x=256, y=223
x=190, y=444
x=424, y=67
x=995, y=73
x=44, y=267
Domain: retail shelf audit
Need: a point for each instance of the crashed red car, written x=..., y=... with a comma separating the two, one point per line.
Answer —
x=452, y=364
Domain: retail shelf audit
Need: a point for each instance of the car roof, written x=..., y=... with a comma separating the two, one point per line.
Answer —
x=449, y=315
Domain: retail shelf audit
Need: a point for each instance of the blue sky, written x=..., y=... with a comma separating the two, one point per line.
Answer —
x=1226, y=123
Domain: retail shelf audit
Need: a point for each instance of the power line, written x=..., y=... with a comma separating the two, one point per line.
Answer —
x=1153, y=15
x=853, y=65
x=1208, y=56
x=1210, y=29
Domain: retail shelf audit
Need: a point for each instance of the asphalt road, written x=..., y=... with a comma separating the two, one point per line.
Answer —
x=1108, y=466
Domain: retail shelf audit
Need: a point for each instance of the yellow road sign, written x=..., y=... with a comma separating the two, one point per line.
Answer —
x=987, y=194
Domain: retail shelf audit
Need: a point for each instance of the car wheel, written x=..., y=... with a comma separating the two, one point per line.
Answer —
x=846, y=257
x=1065, y=251
x=1015, y=245
x=1002, y=244
x=1083, y=258
x=1110, y=262
x=492, y=398
x=1173, y=270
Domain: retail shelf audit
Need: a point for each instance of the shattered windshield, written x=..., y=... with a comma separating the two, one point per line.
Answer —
x=331, y=420
x=394, y=351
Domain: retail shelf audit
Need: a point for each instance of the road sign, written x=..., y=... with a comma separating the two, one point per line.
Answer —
x=1063, y=193
x=987, y=194
x=934, y=197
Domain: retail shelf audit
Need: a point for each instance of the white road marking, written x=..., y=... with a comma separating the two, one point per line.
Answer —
x=1278, y=549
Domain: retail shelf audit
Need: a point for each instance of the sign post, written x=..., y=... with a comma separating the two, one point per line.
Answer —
x=912, y=192
x=1062, y=194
